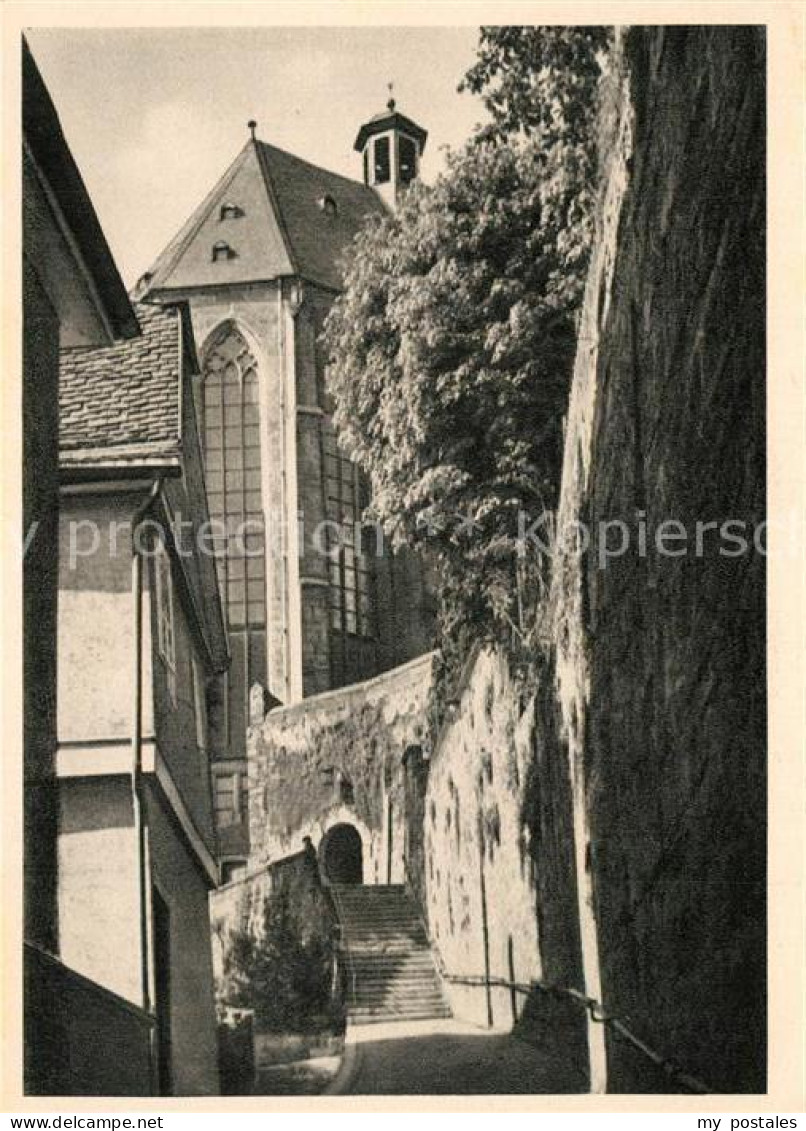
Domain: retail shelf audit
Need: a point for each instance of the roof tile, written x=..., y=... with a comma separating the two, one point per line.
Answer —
x=123, y=396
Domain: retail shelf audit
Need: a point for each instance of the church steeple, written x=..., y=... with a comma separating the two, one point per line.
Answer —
x=391, y=146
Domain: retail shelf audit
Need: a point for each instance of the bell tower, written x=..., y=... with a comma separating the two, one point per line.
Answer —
x=391, y=146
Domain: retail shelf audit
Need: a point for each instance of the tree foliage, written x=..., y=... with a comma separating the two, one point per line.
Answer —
x=450, y=349
x=539, y=81
x=543, y=83
x=284, y=974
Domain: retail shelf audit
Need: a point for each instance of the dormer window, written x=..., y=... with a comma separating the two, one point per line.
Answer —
x=222, y=250
x=230, y=212
x=382, y=164
x=328, y=205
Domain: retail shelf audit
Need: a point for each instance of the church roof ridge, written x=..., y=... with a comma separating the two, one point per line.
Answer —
x=354, y=182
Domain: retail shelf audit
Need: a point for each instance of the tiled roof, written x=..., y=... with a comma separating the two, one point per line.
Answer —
x=122, y=401
x=316, y=239
x=282, y=229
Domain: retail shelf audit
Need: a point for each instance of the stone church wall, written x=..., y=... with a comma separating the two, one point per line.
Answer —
x=306, y=654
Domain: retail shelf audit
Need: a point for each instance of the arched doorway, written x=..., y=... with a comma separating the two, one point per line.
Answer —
x=342, y=858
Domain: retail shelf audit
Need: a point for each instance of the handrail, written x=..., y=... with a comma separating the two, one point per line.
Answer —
x=594, y=1007
x=342, y=948
x=597, y=1013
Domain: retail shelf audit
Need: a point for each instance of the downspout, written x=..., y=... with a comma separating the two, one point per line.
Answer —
x=138, y=801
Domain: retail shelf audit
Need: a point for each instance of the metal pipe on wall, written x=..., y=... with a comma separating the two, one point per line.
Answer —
x=138, y=804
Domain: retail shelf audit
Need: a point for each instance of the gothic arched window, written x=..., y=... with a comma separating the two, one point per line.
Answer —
x=352, y=604
x=232, y=468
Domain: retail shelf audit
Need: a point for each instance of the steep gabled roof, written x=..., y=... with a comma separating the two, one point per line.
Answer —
x=295, y=219
x=317, y=236
x=121, y=403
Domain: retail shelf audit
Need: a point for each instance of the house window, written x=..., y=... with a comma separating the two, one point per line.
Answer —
x=407, y=159
x=231, y=429
x=231, y=799
x=352, y=604
x=230, y=212
x=328, y=205
x=382, y=167
x=165, y=615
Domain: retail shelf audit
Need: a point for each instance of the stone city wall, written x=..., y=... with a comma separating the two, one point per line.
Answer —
x=661, y=657
x=336, y=759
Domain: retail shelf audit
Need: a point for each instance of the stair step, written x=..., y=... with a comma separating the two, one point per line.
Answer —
x=369, y=891
x=382, y=940
x=390, y=966
x=360, y=954
x=390, y=960
x=367, y=934
x=365, y=1017
x=392, y=1012
x=361, y=966
x=380, y=916
x=397, y=993
x=407, y=978
x=381, y=920
x=380, y=1001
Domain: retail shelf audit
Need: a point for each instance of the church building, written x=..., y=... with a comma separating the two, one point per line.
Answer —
x=312, y=601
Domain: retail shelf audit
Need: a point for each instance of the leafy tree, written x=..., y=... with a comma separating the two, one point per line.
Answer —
x=284, y=974
x=539, y=81
x=450, y=349
x=543, y=83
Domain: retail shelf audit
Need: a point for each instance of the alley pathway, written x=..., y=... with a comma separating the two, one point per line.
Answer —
x=445, y=1057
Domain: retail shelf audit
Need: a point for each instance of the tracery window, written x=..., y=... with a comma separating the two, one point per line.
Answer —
x=233, y=475
x=352, y=599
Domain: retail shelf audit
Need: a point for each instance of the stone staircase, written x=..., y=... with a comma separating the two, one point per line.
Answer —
x=391, y=972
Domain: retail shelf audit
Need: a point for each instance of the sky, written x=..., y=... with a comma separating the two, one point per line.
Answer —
x=155, y=116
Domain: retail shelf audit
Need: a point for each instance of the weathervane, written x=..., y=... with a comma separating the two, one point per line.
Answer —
x=252, y=124
x=391, y=103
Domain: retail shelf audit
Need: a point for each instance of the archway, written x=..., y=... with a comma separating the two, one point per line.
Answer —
x=342, y=856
